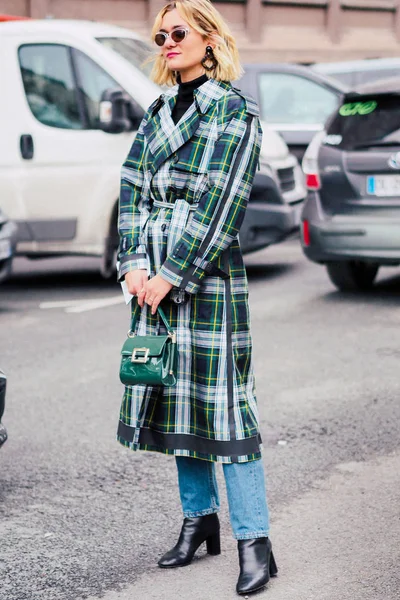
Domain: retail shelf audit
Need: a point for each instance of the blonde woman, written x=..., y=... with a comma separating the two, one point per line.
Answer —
x=185, y=187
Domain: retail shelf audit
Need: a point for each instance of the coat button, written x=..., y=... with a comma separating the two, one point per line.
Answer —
x=163, y=227
x=176, y=158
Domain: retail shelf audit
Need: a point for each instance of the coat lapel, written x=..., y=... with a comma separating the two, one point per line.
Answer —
x=209, y=93
x=163, y=136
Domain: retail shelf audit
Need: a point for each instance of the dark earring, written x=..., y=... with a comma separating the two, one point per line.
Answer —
x=209, y=58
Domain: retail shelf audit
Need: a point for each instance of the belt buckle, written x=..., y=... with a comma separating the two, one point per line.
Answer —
x=179, y=296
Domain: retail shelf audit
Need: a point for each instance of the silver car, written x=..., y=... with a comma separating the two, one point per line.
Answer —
x=295, y=101
x=277, y=196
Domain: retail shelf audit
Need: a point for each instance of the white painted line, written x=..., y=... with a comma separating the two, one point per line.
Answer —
x=61, y=303
x=78, y=306
x=93, y=304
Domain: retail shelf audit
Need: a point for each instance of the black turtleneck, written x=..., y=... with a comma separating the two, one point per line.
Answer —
x=185, y=96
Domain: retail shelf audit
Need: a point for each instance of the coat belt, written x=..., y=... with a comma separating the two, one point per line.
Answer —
x=161, y=204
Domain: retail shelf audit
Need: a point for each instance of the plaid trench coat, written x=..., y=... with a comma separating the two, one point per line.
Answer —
x=184, y=192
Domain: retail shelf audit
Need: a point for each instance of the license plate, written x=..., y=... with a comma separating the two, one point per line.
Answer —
x=5, y=249
x=383, y=185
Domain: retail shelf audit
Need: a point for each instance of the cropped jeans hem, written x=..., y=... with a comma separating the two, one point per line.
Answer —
x=199, y=513
x=251, y=536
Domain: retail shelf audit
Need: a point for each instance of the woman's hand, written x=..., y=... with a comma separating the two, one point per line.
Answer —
x=153, y=292
x=136, y=280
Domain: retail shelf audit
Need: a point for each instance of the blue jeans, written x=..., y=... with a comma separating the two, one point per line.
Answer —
x=245, y=486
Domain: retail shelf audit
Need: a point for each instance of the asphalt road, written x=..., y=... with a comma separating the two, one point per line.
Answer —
x=82, y=517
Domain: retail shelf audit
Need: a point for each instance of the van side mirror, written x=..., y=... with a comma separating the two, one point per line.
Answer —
x=135, y=114
x=116, y=112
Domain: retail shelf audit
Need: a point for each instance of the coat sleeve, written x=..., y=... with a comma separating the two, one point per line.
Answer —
x=134, y=208
x=217, y=220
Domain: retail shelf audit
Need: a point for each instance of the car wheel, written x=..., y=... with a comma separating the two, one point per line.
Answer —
x=108, y=268
x=353, y=275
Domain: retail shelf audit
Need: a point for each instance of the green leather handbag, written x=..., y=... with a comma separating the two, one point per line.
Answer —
x=149, y=359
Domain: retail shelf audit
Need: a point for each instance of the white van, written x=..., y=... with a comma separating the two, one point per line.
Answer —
x=59, y=165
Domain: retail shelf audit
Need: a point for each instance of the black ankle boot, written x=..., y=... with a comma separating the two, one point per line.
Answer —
x=194, y=532
x=257, y=564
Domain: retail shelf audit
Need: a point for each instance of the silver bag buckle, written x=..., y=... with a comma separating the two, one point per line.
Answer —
x=140, y=355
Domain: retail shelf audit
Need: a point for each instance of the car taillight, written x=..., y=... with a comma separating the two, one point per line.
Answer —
x=310, y=162
x=313, y=181
x=306, y=233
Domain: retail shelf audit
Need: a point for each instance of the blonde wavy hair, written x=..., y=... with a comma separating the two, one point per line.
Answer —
x=203, y=17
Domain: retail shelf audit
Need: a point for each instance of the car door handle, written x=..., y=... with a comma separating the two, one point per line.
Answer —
x=26, y=145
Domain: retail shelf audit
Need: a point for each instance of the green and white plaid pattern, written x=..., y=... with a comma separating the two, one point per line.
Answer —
x=183, y=198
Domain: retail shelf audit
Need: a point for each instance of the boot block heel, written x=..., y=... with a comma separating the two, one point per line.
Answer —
x=195, y=531
x=213, y=544
x=273, y=569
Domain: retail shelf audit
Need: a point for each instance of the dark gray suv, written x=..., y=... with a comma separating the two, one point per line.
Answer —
x=351, y=217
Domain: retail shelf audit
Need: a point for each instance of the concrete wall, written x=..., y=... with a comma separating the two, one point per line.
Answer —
x=266, y=30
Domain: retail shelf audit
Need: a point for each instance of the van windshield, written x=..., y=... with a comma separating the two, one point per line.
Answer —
x=136, y=52
x=366, y=121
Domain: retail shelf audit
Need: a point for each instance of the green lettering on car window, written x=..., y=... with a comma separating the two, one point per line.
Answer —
x=358, y=108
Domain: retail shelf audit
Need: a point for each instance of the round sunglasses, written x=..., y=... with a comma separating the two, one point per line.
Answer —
x=177, y=35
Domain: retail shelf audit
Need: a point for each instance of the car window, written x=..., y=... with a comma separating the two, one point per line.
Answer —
x=92, y=81
x=294, y=100
x=135, y=51
x=49, y=85
x=368, y=121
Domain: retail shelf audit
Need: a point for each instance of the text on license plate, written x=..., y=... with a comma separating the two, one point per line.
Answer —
x=383, y=185
x=5, y=249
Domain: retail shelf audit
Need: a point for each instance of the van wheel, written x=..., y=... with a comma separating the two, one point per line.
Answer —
x=352, y=275
x=108, y=266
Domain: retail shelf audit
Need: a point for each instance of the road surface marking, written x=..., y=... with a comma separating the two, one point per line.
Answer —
x=78, y=306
